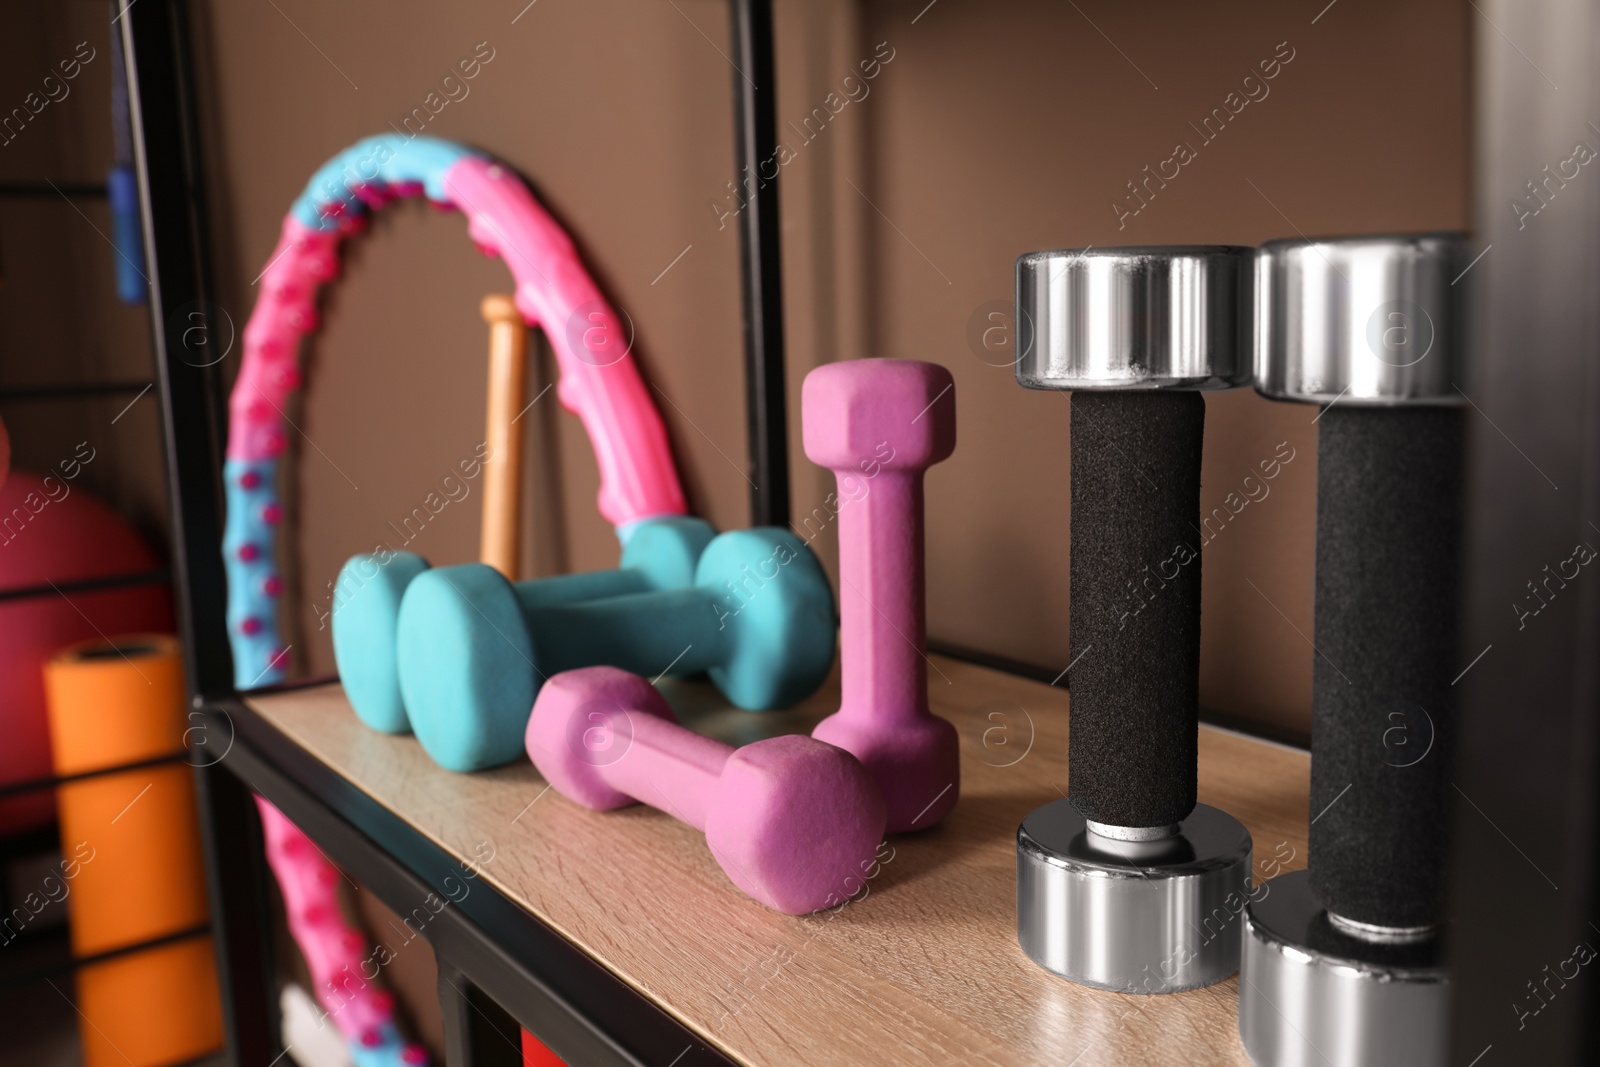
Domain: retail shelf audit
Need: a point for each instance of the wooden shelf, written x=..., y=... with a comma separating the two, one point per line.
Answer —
x=922, y=969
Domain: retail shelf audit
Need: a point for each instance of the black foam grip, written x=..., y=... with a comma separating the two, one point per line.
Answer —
x=1135, y=612
x=1383, y=706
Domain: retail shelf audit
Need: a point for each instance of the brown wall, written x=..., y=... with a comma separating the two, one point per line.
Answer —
x=994, y=129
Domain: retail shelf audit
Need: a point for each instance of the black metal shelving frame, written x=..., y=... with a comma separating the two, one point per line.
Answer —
x=755, y=135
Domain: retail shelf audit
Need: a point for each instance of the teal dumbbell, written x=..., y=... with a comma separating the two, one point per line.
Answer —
x=474, y=648
x=661, y=553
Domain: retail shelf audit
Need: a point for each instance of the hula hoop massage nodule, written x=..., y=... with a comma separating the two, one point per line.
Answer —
x=598, y=382
x=598, y=379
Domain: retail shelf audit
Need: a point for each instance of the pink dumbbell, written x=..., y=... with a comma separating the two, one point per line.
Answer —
x=794, y=822
x=880, y=423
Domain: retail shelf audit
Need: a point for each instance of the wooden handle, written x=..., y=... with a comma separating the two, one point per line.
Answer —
x=502, y=471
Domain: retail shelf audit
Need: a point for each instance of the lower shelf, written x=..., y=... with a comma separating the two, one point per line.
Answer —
x=921, y=968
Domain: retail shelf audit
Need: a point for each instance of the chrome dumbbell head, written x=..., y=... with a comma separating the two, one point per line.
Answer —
x=1361, y=320
x=1156, y=916
x=1312, y=994
x=1134, y=318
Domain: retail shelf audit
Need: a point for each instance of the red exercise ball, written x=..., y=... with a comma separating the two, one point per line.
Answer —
x=53, y=531
x=536, y=1053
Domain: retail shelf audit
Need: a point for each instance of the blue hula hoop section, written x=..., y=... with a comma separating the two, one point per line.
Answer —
x=334, y=193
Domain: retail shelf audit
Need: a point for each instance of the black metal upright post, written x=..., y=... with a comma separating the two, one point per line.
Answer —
x=155, y=42
x=161, y=103
x=755, y=125
x=1526, y=887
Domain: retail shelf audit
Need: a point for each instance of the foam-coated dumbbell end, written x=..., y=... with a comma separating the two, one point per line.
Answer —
x=366, y=605
x=792, y=821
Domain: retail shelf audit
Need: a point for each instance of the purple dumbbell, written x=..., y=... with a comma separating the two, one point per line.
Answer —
x=881, y=423
x=794, y=822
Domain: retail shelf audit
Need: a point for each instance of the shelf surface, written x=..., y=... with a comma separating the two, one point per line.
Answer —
x=921, y=968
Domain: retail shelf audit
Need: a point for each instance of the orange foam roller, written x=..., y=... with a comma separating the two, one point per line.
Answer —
x=136, y=838
x=137, y=1005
